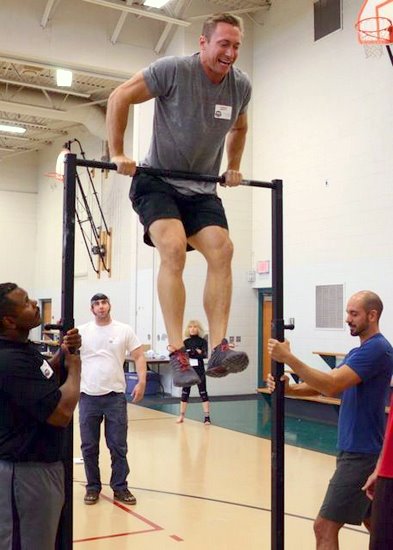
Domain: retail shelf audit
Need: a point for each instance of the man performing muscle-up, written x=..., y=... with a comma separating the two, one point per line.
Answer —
x=200, y=100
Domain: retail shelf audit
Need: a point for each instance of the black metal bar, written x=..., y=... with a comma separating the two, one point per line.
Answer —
x=277, y=433
x=390, y=54
x=175, y=174
x=278, y=326
x=64, y=538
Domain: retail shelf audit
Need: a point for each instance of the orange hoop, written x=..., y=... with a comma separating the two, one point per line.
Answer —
x=375, y=30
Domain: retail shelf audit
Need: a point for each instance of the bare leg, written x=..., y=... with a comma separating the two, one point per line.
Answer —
x=326, y=533
x=170, y=240
x=205, y=406
x=215, y=245
x=183, y=408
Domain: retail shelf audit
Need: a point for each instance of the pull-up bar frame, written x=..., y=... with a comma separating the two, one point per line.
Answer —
x=64, y=541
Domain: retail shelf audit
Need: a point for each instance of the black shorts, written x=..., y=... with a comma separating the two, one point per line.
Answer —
x=381, y=518
x=153, y=199
x=345, y=502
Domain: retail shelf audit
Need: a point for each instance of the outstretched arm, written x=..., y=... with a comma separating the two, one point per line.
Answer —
x=329, y=384
x=293, y=390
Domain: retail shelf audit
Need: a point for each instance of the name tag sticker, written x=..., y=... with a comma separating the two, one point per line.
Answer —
x=223, y=111
x=193, y=362
x=46, y=369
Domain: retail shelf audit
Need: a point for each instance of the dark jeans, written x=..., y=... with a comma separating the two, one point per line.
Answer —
x=112, y=408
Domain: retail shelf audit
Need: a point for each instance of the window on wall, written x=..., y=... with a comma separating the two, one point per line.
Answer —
x=329, y=306
x=327, y=17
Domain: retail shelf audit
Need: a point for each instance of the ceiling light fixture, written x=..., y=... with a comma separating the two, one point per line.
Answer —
x=63, y=77
x=155, y=3
x=12, y=129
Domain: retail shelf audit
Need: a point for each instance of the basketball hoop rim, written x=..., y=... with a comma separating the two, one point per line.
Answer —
x=364, y=35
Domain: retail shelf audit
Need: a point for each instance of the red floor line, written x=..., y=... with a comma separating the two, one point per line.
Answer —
x=103, y=537
x=176, y=538
x=129, y=511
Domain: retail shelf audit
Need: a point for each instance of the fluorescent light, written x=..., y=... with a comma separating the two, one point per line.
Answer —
x=63, y=77
x=155, y=3
x=12, y=129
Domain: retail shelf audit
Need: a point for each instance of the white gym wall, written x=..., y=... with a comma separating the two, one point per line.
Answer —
x=320, y=119
x=322, y=122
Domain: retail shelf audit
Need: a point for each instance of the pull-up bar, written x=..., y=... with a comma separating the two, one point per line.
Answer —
x=278, y=327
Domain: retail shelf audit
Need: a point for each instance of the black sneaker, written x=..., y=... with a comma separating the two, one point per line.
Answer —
x=225, y=360
x=124, y=496
x=91, y=496
x=182, y=373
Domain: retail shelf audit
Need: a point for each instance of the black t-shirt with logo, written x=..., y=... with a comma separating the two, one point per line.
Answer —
x=29, y=393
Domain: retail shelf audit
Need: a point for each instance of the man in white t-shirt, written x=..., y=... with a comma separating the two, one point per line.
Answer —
x=105, y=343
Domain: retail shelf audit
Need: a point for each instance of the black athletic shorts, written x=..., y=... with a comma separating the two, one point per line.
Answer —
x=345, y=502
x=382, y=515
x=153, y=199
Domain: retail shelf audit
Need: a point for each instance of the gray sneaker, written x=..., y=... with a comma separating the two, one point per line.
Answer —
x=225, y=360
x=182, y=373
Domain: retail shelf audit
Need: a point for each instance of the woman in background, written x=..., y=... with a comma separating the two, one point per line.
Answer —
x=196, y=347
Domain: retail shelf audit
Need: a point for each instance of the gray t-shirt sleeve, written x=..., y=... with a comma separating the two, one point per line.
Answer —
x=160, y=75
x=247, y=94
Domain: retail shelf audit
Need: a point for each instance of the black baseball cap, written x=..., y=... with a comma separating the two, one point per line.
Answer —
x=99, y=296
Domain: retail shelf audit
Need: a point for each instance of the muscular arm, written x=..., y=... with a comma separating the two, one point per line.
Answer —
x=301, y=390
x=236, y=141
x=329, y=384
x=129, y=93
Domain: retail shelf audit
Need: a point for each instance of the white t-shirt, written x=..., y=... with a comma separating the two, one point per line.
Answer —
x=102, y=354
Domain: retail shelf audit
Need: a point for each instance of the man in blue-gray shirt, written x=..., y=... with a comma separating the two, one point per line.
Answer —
x=200, y=102
x=363, y=379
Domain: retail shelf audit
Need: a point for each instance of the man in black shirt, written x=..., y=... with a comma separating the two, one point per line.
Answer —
x=34, y=410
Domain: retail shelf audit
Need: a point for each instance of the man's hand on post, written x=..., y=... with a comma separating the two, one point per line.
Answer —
x=72, y=340
x=271, y=383
x=279, y=351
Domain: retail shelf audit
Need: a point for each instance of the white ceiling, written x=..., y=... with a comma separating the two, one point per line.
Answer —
x=29, y=96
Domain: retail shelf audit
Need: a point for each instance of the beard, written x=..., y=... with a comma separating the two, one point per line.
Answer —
x=357, y=330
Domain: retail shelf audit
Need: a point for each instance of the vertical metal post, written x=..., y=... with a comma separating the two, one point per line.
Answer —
x=277, y=433
x=64, y=538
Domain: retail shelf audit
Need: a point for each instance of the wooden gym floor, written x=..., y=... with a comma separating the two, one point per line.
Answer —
x=202, y=487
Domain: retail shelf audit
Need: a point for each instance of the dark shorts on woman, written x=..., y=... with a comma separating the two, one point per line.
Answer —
x=153, y=199
x=381, y=518
x=345, y=502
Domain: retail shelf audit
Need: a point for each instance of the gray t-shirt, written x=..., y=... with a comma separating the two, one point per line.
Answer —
x=192, y=116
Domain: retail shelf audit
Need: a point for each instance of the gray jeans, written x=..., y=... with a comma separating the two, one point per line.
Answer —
x=31, y=500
